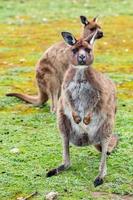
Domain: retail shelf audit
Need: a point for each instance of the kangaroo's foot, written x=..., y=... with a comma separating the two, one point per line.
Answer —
x=98, y=181
x=57, y=170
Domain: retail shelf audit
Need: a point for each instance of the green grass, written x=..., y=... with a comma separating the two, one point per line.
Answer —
x=23, y=38
x=54, y=10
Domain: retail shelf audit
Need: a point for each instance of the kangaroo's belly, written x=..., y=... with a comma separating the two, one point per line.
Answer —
x=84, y=98
x=83, y=135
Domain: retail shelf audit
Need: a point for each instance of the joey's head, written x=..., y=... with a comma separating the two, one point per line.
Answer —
x=81, y=51
x=90, y=26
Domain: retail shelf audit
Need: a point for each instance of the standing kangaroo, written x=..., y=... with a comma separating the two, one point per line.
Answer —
x=51, y=67
x=87, y=106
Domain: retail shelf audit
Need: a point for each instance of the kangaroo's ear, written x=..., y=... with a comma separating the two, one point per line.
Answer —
x=84, y=20
x=91, y=38
x=69, y=38
x=96, y=18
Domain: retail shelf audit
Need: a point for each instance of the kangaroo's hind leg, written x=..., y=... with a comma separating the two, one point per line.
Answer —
x=54, y=93
x=54, y=99
x=102, y=166
x=113, y=142
x=105, y=133
x=43, y=98
x=42, y=91
x=64, y=126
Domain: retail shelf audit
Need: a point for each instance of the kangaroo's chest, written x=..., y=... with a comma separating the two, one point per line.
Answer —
x=83, y=95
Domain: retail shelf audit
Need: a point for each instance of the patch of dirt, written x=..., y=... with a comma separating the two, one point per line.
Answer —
x=110, y=196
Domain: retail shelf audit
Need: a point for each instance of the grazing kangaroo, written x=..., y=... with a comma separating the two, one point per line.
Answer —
x=87, y=106
x=51, y=67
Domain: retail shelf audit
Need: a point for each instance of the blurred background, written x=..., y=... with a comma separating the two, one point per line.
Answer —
x=27, y=29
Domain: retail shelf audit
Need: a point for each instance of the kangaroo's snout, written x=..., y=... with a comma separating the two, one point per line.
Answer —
x=99, y=34
x=82, y=59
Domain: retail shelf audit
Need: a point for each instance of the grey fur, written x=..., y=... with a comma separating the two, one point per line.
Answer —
x=86, y=93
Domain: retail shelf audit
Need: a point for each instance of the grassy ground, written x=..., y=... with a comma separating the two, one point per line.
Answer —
x=27, y=28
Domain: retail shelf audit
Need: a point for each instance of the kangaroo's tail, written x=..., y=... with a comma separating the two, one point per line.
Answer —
x=36, y=100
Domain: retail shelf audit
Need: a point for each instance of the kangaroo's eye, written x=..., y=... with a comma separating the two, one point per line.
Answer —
x=75, y=50
x=87, y=50
x=93, y=29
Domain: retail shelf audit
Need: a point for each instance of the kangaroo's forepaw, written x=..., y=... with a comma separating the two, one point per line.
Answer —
x=98, y=181
x=51, y=173
x=87, y=119
x=76, y=118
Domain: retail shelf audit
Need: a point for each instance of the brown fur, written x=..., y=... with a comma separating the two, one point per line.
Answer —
x=98, y=96
x=50, y=70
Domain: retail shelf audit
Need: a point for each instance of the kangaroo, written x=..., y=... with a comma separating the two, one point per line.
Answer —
x=87, y=106
x=51, y=67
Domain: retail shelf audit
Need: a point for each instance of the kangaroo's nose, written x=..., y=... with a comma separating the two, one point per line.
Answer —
x=99, y=34
x=82, y=59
